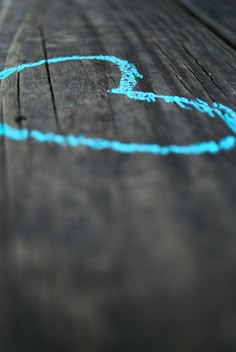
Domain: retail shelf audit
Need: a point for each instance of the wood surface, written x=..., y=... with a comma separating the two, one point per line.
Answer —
x=219, y=16
x=102, y=251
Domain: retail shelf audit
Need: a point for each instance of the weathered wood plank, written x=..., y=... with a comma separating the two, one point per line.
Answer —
x=111, y=252
x=220, y=16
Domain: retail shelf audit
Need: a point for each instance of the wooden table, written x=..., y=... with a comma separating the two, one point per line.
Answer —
x=115, y=250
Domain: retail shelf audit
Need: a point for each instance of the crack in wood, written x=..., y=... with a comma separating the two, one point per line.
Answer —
x=44, y=45
x=203, y=69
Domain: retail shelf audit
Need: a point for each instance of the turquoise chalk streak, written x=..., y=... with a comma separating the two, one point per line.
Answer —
x=128, y=82
x=212, y=147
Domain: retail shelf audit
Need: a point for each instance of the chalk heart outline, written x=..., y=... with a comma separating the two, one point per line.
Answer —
x=128, y=81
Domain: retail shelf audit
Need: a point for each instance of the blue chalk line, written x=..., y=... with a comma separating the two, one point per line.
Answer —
x=128, y=81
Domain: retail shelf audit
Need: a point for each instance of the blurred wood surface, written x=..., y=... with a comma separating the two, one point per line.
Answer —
x=102, y=251
x=219, y=16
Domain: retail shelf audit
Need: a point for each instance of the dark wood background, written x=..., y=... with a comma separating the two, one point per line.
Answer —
x=102, y=251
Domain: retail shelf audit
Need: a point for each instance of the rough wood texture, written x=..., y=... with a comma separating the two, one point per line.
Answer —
x=109, y=252
x=219, y=16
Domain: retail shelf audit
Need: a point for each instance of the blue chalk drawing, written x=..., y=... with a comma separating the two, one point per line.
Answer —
x=128, y=81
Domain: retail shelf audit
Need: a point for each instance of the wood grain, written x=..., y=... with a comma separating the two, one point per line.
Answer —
x=219, y=16
x=102, y=251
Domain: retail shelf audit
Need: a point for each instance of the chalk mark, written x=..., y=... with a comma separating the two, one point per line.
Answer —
x=128, y=81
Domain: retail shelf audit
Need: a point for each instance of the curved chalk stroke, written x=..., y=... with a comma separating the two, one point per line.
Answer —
x=128, y=81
